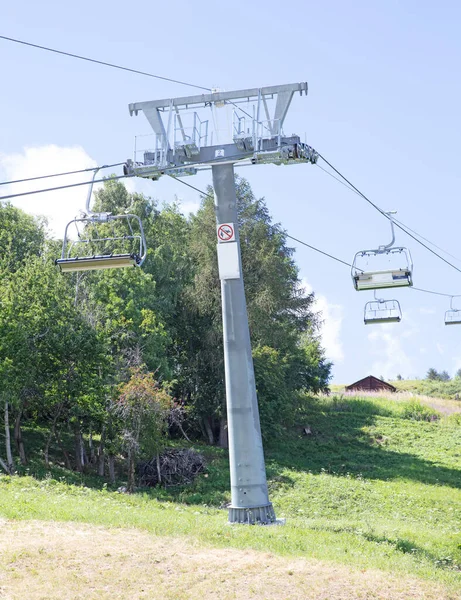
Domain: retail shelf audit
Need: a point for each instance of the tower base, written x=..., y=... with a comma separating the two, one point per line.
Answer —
x=253, y=515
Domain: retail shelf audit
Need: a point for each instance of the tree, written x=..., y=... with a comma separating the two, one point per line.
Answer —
x=41, y=327
x=21, y=237
x=280, y=313
x=399, y=377
x=432, y=375
x=458, y=374
x=143, y=406
x=444, y=376
x=76, y=349
x=139, y=307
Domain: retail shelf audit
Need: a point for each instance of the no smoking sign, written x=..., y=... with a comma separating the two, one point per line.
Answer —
x=226, y=232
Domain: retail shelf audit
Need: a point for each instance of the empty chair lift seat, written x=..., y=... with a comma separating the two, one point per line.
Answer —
x=372, y=320
x=89, y=263
x=453, y=317
x=382, y=279
x=382, y=311
x=103, y=240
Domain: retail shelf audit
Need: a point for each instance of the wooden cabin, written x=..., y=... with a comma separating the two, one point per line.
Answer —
x=370, y=384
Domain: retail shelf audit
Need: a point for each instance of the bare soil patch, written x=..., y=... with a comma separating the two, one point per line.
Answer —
x=49, y=560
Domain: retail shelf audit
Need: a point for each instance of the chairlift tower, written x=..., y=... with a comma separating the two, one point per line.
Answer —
x=183, y=142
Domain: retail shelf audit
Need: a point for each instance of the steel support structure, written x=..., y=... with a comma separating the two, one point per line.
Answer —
x=179, y=149
x=249, y=495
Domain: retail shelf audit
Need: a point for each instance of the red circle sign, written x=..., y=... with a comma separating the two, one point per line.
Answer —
x=225, y=232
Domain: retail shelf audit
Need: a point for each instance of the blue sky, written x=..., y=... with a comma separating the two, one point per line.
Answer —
x=383, y=107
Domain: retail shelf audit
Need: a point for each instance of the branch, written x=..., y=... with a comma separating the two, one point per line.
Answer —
x=5, y=467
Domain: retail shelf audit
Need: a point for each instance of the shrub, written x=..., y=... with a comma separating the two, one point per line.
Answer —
x=414, y=410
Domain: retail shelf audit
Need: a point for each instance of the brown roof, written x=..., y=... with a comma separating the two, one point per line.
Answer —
x=371, y=383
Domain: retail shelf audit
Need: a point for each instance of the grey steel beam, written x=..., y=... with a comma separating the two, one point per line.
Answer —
x=249, y=495
x=155, y=121
x=281, y=109
x=203, y=99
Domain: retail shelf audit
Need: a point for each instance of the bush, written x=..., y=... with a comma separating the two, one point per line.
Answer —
x=275, y=399
x=416, y=411
x=177, y=467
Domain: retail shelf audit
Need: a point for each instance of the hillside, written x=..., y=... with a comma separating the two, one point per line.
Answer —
x=374, y=486
x=436, y=389
x=441, y=389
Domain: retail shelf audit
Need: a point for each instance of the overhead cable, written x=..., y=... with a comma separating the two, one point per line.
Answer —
x=114, y=66
x=326, y=253
x=380, y=210
x=60, y=174
x=101, y=62
x=164, y=171
x=285, y=233
x=320, y=251
x=436, y=293
x=189, y=185
x=61, y=187
x=426, y=240
x=204, y=194
x=393, y=218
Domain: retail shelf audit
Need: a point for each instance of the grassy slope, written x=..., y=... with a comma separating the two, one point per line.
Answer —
x=370, y=487
x=442, y=389
x=439, y=389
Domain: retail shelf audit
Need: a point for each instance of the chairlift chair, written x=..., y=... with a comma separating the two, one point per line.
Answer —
x=113, y=250
x=382, y=311
x=453, y=316
x=397, y=276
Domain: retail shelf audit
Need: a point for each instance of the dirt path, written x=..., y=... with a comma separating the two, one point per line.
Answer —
x=48, y=561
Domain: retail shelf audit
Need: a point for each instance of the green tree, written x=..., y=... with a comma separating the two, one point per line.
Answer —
x=41, y=327
x=138, y=308
x=280, y=313
x=143, y=406
x=432, y=375
x=21, y=236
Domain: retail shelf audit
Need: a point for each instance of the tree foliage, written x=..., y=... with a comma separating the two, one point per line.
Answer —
x=143, y=407
x=433, y=375
x=94, y=353
x=280, y=313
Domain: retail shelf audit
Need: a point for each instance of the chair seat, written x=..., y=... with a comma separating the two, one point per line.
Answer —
x=382, y=279
x=90, y=263
x=371, y=321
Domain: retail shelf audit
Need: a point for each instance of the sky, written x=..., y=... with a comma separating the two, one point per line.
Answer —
x=383, y=108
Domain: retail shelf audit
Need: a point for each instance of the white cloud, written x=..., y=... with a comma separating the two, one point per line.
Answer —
x=332, y=317
x=440, y=348
x=387, y=344
x=58, y=206
x=189, y=207
x=427, y=311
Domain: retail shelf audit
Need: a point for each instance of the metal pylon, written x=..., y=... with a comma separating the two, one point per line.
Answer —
x=181, y=148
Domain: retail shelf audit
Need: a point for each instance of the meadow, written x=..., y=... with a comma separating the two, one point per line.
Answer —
x=375, y=486
x=423, y=387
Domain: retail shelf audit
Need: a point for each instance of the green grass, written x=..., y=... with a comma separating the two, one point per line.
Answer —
x=438, y=389
x=377, y=484
x=424, y=387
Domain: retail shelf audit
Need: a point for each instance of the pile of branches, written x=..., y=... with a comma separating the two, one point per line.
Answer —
x=177, y=467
